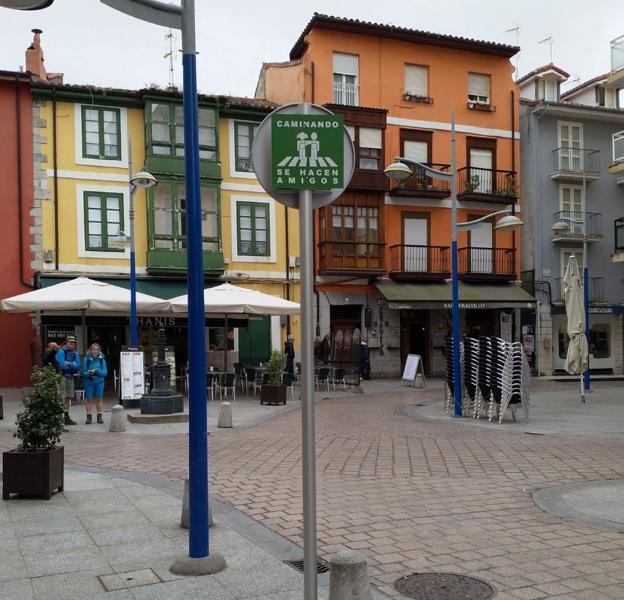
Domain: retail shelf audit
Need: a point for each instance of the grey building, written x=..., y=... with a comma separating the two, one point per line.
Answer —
x=572, y=143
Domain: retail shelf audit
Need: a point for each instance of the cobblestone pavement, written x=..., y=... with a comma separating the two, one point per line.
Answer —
x=412, y=495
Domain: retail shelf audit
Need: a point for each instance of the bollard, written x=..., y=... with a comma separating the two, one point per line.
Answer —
x=184, y=522
x=225, y=415
x=348, y=577
x=118, y=419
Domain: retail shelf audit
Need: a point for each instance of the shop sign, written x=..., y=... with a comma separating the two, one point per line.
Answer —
x=156, y=321
x=600, y=310
x=307, y=151
x=132, y=374
x=59, y=334
x=467, y=305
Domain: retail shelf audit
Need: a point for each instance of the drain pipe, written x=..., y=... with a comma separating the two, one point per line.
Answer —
x=287, y=242
x=20, y=190
x=55, y=167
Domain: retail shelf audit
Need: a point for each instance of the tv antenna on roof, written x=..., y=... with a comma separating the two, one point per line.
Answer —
x=550, y=44
x=517, y=30
x=171, y=37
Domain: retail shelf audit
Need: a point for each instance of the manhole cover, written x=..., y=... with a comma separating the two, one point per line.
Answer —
x=443, y=586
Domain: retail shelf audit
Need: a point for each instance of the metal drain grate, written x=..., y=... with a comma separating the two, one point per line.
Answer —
x=443, y=586
x=322, y=566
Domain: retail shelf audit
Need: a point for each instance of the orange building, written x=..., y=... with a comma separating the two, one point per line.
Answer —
x=383, y=250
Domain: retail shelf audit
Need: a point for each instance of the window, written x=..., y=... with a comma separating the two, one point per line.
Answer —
x=599, y=341
x=103, y=213
x=345, y=79
x=243, y=138
x=479, y=88
x=101, y=133
x=166, y=131
x=571, y=206
x=253, y=229
x=368, y=142
x=370, y=148
x=416, y=78
x=618, y=146
x=167, y=217
x=547, y=90
x=605, y=96
x=367, y=229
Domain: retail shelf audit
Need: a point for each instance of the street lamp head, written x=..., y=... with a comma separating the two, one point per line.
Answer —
x=508, y=223
x=397, y=171
x=143, y=179
x=560, y=227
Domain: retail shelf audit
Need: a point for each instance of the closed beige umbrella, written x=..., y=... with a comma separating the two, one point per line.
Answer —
x=578, y=352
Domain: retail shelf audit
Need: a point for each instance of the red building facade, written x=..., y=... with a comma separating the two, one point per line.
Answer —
x=18, y=340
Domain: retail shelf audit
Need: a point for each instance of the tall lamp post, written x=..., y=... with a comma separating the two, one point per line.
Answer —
x=399, y=171
x=172, y=16
x=140, y=180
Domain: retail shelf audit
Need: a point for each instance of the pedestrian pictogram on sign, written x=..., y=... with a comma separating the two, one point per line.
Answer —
x=307, y=152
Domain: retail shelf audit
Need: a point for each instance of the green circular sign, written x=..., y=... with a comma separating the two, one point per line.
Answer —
x=303, y=147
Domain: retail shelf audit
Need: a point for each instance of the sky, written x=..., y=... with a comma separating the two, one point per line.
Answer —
x=96, y=45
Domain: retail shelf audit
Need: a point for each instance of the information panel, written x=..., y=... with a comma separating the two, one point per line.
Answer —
x=132, y=373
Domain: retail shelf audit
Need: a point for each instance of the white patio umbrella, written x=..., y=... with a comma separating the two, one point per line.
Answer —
x=82, y=294
x=578, y=353
x=232, y=299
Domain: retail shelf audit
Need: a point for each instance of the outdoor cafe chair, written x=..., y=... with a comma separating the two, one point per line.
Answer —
x=338, y=377
x=288, y=379
x=259, y=380
x=322, y=377
x=212, y=379
x=226, y=383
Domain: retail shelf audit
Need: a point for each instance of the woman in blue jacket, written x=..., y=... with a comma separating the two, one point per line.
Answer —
x=93, y=374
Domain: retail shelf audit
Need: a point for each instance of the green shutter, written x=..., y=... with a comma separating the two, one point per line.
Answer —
x=254, y=342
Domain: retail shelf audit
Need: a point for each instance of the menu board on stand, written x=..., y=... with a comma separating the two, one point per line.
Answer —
x=132, y=374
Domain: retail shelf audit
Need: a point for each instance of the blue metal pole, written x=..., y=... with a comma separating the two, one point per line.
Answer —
x=457, y=378
x=198, y=436
x=133, y=306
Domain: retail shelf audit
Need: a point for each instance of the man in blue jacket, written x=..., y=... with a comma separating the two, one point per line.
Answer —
x=68, y=361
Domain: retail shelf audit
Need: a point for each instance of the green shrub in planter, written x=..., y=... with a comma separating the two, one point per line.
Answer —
x=40, y=425
x=274, y=391
x=36, y=466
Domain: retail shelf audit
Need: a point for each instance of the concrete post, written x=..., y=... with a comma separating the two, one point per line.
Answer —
x=225, y=415
x=348, y=577
x=118, y=419
x=184, y=520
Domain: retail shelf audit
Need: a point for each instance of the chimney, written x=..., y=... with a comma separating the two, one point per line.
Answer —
x=34, y=62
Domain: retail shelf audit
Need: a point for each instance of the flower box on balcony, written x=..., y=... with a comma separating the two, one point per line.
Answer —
x=416, y=98
x=481, y=106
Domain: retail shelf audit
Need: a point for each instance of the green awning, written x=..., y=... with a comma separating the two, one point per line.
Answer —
x=161, y=288
x=407, y=296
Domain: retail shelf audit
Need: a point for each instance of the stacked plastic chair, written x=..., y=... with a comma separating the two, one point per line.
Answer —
x=484, y=385
x=500, y=349
x=471, y=373
x=516, y=378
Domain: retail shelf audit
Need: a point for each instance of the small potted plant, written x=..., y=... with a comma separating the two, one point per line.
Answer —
x=35, y=467
x=274, y=391
x=472, y=184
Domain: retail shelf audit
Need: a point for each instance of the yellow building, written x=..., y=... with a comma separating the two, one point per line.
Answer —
x=86, y=139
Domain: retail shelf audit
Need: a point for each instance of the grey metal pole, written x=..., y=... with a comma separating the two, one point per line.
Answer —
x=310, y=585
x=586, y=375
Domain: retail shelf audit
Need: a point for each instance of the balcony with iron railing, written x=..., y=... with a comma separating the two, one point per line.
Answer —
x=575, y=164
x=574, y=232
x=415, y=262
x=617, y=154
x=487, y=185
x=596, y=290
x=351, y=258
x=423, y=186
x=486, y=264
x=345, y=93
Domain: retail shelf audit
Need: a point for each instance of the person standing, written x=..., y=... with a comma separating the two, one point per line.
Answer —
x=289, y=351
x=94, y=372
x=68, y=361
x=325, y=350
x=49, y=356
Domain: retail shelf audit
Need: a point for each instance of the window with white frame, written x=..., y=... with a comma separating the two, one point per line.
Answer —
x=103, y=220
x=253, y=228
x=101, y=133
x=618, y=146
x=547, y=90
x=416, y=78
x=605, y=96
x=571, y=206
x=368, y=144
x=345, y=82
x=479, y=88
x=243, y=138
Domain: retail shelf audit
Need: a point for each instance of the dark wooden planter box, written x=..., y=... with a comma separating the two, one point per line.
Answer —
x=36, y=473
x=273, y=394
